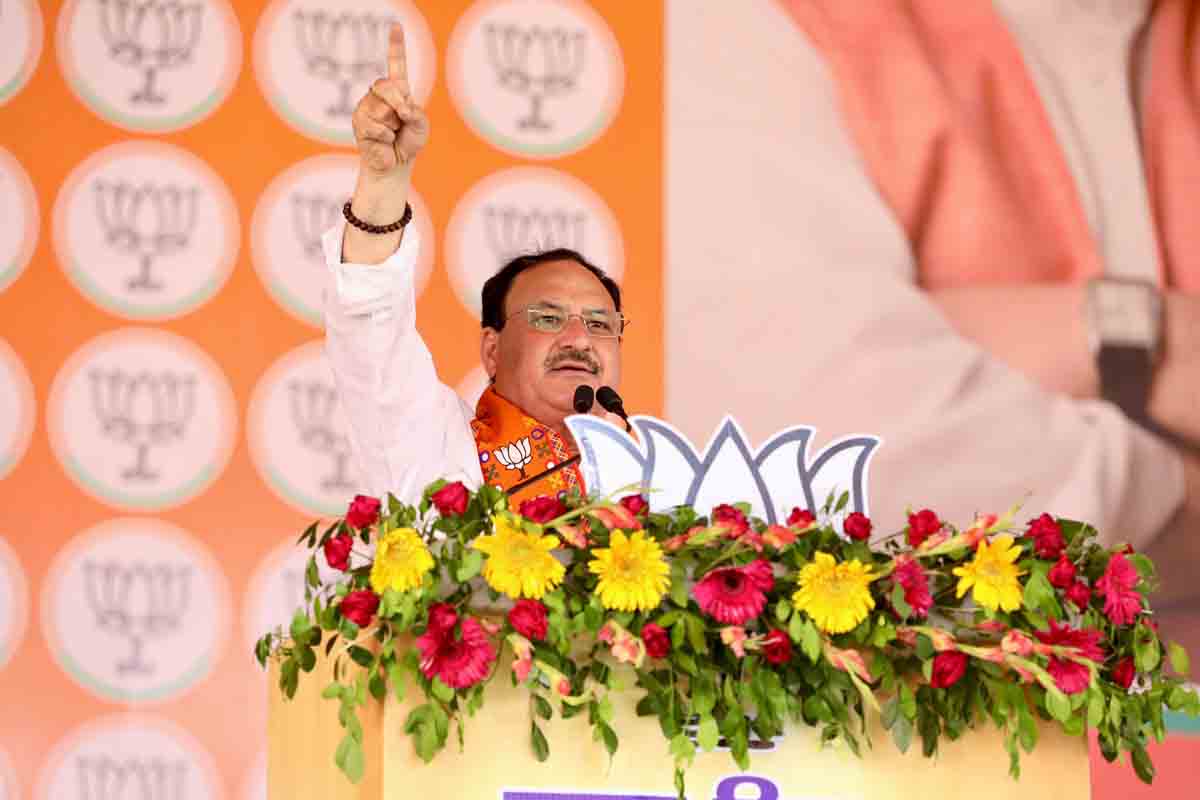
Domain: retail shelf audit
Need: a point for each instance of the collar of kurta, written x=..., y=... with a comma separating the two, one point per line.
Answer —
x=514, y=447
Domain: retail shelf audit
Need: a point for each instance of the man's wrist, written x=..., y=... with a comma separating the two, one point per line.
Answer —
x=380, y=200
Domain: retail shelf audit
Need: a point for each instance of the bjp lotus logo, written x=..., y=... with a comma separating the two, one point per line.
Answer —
x=524, y=210
x=21, y=35
x=146, y=231
x=136, y=610
x=150, y=65
x=514, y=455
x=19, y=212
x=315, y=58
x=535, y=78
x=779, y=475
x=126, y=756
x=295, y=211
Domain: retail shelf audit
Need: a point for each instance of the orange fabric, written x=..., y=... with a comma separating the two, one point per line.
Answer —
x=955, y=136
x=513, y=446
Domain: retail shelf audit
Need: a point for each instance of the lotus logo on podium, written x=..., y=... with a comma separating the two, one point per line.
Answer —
x=780, y=473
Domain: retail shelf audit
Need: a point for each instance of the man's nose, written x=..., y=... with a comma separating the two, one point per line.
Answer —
x=575, y=333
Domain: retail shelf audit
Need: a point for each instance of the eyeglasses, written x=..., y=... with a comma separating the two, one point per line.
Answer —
x=552, y=319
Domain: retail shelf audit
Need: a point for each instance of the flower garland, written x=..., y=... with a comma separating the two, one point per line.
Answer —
x=713, y=614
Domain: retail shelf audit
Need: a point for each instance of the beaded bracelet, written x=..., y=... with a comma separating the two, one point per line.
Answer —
x=369, y=228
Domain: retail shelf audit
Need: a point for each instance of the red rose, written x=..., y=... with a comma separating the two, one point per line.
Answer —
x=542, y=508
x=921, y=526
x=363, y=511
x=948, y=667
x=732, y=518
x=777, y=647
x=857, y=526
x=635, y=504
x=451, y=499
x=1047, y=537
x=337, y=551
x=1123, y=673
x=658, y=642
x=360, y=606
x=442, y=617
x=800, y=518
x=1079, y=594
x=528, y=618
x=1062, y=574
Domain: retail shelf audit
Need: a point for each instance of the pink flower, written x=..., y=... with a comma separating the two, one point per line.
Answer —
x=563, y=687
x=617, y=517
x=735, y=595
x=635, y=504
x=337, y=551
x=911, y=577
x=1122, y=603
x=1079, y=594
x=735, y=638
x=921, y=526
x=801, y=518
x=363, y=511
x=1047, y=537
x=523, y=663
x=625, y=647
x=1017, y=643
x=732, y=519
x=461, y=662
x=973, y=535
x=451, y=499
x=940, y=639
x=528, y=618
x=658, y=642
x=359, y=606
x=752, y=539
x=848, y=660
x=542, y=509
x=573, y=535
x=777, y=647
x=1070, y=676
x=948, y=669
x=1062, y=574
x=778, y=536
x=857, y=526
x=1123, y=672
x=442, y=617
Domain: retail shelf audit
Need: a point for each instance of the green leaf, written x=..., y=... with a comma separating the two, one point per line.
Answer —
x=1058, y=705
x=353, y=764
x=306, y=658
x=682, y=749
x=542, y=707
x=1147, y=652
x=609, y=737
x=891, y=710
x=1179, y=659
x=1142, y=764
x=899, y=603
x=541, y=748
x=842, y=501
x=783, y=610
x=902, y=733
x=331, y=691
x=806, y=635
x=300, y=626
x=361, y=656
x=377, y=685
x=695, y=630
x=707, y=734
x=704, y=696
x=441, y=691
x=311, y=576
x=1095, y=713
x=471, y=564
x=396, y=678
x=908, y=702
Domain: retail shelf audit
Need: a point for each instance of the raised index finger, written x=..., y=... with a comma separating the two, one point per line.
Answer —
x=397, y=60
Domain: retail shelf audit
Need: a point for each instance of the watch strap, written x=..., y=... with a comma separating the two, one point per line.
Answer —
x=1126, y=372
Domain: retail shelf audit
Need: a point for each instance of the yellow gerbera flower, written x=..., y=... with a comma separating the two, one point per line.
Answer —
x=633, y=573
x=836, y=596
x=401, y=561
x=519, y=564
x=993, y=574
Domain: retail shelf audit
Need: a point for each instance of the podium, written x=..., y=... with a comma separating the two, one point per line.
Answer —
x=497, y=762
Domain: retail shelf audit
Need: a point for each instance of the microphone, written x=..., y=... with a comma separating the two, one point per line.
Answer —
x=611, y=401
x=584, y=397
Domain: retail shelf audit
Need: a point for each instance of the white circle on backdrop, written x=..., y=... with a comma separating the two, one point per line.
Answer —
x=14, y=601
x=314, y=59
x=136, y=610
x=299, y=206
x=18, y=409
x=19, y=211
x=535, y=78
x=146, y=230
x=525, y=210
x=129, y=756
x=298, y=434
x=276, y=589
x=142, y=419
x=21, y=37
x=154, y=66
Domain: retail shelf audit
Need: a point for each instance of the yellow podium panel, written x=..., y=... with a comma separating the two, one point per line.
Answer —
x=497, y=762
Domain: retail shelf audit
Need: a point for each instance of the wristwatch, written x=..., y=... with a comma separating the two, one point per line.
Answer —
x=1125, y=331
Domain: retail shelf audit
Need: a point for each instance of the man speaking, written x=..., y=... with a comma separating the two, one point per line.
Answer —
x=551, y=341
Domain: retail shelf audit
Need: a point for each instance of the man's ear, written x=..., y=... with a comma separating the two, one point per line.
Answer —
x=489, y=352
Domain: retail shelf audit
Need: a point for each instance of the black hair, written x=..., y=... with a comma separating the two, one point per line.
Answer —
x=495, y=290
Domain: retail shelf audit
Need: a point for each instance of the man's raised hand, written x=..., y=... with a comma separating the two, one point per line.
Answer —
x=389, y=127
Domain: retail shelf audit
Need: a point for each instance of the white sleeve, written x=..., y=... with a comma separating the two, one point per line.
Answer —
x=808, y=286
x=407, y=428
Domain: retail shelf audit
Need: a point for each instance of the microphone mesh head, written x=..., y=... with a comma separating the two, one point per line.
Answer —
x=584, y=397
x=608, y=397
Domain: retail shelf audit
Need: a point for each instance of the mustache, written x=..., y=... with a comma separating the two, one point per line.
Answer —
x=575, y=355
